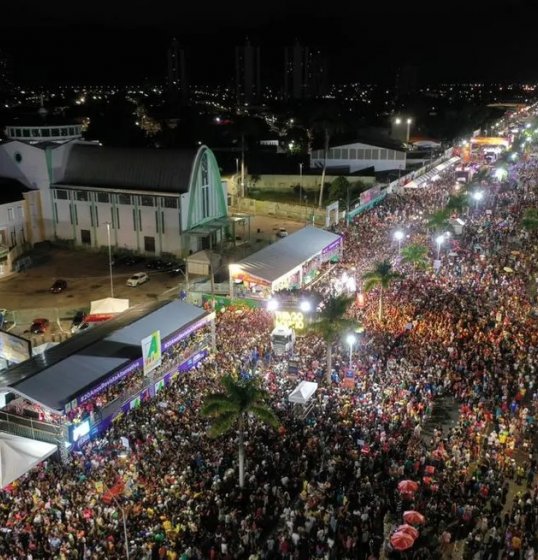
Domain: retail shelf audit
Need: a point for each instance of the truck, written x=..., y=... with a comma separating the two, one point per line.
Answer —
x=282, y=340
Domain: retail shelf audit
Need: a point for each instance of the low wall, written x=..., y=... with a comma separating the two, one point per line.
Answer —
x=296, y=212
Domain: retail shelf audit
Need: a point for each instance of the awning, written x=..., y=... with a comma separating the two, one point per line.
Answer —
x=303, y=392
x=18, y=455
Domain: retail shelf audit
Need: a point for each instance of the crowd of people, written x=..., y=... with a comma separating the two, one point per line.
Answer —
x=325, y=486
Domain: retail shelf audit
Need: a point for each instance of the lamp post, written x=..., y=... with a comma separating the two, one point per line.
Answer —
x=440, y=239
x=399, y=235
x=300, y=184
x=110, y=259
x=350, y=339
x=408, y=122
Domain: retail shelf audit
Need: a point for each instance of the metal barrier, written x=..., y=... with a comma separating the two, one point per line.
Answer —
x=33, y=429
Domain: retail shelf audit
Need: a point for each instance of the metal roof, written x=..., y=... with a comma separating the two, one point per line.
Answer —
x=58, y=375
x=276, y=260
x=133, y=168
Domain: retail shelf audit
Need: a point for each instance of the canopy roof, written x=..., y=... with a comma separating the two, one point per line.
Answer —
x=303, y=392
x=278, y=259
x=432, y=174
x=57, y=376
x=109, y=305
x=18, y=455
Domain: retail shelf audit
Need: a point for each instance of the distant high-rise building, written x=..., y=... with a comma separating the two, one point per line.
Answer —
x=178, y=85
x=406, y=80
x=247, y=73
x=305, y=72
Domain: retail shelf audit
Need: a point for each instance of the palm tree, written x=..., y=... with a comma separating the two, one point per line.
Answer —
x=330, y=324
x=438, y=221
x=530, y=219
x=232, y=407
x=416, y=256
x=458, y=202
x=380, y=275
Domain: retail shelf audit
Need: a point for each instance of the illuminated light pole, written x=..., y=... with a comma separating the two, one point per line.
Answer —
x=478, y=196
x=439, y=240
x=350, y=339
x=110, y=259
x=305, y=306
x=399, y=235
x=272, y=305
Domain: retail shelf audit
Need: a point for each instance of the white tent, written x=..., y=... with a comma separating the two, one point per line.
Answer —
x=18, y=455
x=303, y=392
x=202, y=262
x=108, y=305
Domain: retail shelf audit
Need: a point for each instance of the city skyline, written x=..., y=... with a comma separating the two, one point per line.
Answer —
x=63, y=43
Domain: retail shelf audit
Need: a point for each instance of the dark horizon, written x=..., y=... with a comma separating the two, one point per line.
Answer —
x=61, y=43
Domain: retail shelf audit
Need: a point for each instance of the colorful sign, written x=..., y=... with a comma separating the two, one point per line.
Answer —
x=151, y=352
x=290, y=319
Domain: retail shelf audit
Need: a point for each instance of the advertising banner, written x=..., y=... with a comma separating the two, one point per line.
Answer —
x=13, y=348
x=151, y=352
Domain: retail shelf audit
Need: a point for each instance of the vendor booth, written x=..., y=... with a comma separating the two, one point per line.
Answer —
x=302, y=394
x=292, y=262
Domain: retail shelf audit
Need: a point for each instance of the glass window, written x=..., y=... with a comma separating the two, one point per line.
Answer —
x=124, y=199
x=345, y=153
x=61, y=194
x=36, y=132
x=367, y=154
x=147, y=201
x=63, y=131
x=205, y=173
x=26, y=133
x=20, y=213
x=10, y=214
x=375, y=154
x=55, y=132
x=18, y=132
x=337, y=153
x=45, y=132
x=353, y=153
x=103, y=197
x=71, y=131
x=382, y=154
x=82, y=195
x=360, y=153
x=169, y=202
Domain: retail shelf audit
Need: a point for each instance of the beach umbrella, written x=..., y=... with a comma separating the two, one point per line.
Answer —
x=401, y=541
x=414, y=517
x=407, y=486
x=409, y=530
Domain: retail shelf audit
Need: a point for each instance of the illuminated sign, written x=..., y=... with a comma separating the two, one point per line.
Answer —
x=14, y=348
x=151, y=352
x=80, y=430
x=290, y=319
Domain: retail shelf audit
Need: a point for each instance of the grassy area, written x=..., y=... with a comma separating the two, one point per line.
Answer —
x=288, y=197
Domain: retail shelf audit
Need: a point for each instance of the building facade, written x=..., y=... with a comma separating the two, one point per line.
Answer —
x=247, y=74
x=359, y=156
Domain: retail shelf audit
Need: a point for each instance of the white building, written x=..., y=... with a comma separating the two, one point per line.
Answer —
x=383, y=156
x=13, y=223
x=155, y=201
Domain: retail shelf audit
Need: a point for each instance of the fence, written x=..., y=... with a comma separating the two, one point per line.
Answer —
x=33, y=429
x=285, y=211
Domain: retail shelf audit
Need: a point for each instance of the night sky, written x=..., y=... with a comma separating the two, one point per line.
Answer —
x=110, y=41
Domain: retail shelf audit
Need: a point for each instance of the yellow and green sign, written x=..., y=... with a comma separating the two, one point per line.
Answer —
x=151, y=351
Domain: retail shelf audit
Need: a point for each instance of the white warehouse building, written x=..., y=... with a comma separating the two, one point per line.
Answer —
x=383, y=156
x=154, y=201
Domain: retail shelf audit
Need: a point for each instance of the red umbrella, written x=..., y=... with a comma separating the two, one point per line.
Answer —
x=414, y=517
x=401, y=541
x=407, y=486
x=409, y=530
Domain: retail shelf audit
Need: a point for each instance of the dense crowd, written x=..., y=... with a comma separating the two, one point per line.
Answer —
x=326, y=486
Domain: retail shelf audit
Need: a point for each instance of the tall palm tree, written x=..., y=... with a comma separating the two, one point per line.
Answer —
x=416, y=256
x=381, y=275
x=231, y=407
x=331, y=323
x=530, y=219
x=458, y=202
x=438, y=221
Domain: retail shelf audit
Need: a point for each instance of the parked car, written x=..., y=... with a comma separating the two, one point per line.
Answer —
x=156, y=264
x=282, y=232
x=40, y=326
x=58, y=286
x=137, y=279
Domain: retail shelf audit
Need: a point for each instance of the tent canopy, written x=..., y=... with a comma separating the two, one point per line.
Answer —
x=109, y=305
x=18, y=455
x=303, y=392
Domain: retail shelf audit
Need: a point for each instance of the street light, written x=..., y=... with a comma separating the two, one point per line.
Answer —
x=350, y=339
x=478, y=196
x=305, y=306
x=399, y=235
x=300, y=183
x=272, y=305
x=110, y=259
x=408, y=122
x=439, y=240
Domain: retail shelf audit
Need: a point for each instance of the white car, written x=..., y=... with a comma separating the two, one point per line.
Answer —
x=282, y=232
x=137, y=279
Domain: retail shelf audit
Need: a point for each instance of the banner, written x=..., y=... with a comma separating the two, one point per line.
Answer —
x=151, y=352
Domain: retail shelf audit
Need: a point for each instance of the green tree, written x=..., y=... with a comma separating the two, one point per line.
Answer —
x=331, y=323
x=530, y=219
x=339, y=189
x=458, y=202
x=438, y=221
x=381, y=275
x=232, y=407
x=416, y=255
